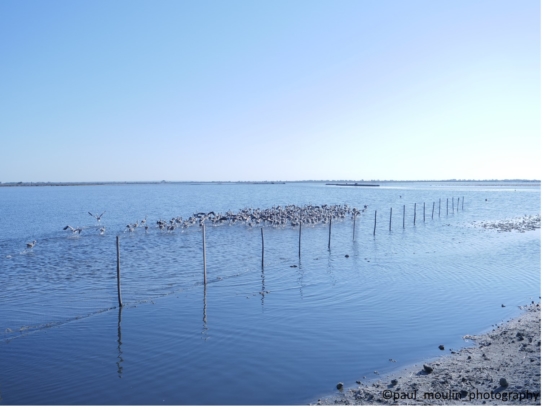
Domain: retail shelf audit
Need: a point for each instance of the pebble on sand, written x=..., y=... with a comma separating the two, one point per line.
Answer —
x=497, y=361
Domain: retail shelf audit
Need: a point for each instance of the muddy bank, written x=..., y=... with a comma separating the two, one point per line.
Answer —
x=502, y=368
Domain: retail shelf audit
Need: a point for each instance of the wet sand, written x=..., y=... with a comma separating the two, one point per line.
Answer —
x=502, y=368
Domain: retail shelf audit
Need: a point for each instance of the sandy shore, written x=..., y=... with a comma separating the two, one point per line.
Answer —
x=502, y=368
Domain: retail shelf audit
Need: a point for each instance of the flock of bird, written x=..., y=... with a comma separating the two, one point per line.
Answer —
x=520, y=224
x=278, y=216
x=76, y=230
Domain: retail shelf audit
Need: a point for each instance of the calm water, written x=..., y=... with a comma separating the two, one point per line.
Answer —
x=282, y=335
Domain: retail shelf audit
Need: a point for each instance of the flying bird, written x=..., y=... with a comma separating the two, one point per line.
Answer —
x=97, y=217
x=77, y=230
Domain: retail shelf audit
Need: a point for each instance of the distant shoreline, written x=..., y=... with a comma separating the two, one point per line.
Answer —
x=371, y=183
x=352, y=184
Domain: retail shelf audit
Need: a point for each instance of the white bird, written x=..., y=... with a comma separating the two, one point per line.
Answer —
x=97, y=217
x=31, y=244
x=77, y=230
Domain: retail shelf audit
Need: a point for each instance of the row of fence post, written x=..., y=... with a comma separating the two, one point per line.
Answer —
x=300, y=230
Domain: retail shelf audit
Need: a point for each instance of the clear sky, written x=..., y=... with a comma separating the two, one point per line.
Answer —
x=269, y=90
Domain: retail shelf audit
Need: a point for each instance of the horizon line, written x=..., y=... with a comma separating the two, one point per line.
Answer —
x=68, y=183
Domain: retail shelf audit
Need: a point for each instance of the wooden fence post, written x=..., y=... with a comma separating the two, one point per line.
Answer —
x=204, y=258
x=119, y=275
x=300, y=239
x=330, y=235
x=262, y=240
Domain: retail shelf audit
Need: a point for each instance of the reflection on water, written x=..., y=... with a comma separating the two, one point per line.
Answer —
x=205, y=328
x=399, y=294
x=120, y=344
x=262, y=286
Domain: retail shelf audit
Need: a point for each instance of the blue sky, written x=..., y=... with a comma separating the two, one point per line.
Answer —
x=257, y=90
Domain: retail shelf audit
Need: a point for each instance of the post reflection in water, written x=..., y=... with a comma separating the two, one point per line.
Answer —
x=300, y=280
x=300, y=268
x=205, y=328
x=119, y=345
x=330, y=268
x=262, y=287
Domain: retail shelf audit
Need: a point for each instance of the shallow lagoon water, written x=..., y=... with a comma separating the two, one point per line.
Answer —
x=398, y=296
